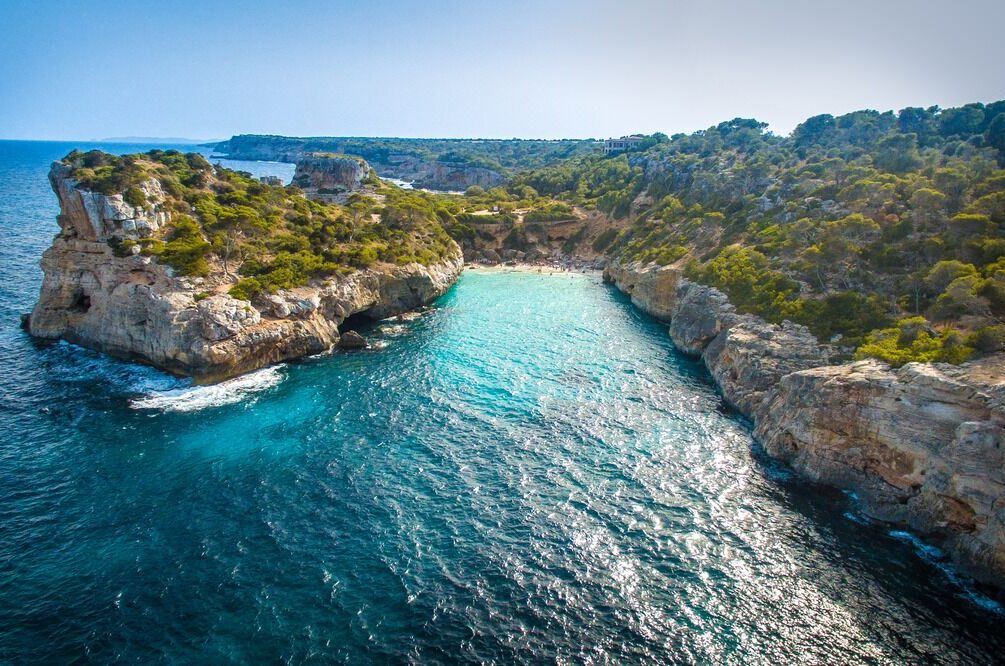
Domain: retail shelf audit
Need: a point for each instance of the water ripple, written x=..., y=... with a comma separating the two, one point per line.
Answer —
x=527, y=473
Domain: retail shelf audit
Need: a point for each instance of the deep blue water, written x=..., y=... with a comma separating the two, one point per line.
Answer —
x=527, y=472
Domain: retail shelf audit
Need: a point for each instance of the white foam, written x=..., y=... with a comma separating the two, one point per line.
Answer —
x=925, y=550
x=393, y=330
x=194, y=398
x=937, y=558
x=856, y=518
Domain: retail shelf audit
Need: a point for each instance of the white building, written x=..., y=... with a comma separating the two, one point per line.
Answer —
x=624, y=143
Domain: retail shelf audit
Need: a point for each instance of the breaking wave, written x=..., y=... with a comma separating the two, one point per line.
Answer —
x=195, y=398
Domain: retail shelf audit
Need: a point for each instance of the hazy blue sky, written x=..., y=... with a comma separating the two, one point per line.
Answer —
x=544, y=68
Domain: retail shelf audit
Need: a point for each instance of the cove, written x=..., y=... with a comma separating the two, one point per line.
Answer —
x=525, y=472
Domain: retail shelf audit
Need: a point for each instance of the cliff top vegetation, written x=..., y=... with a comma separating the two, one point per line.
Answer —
x=262, y=237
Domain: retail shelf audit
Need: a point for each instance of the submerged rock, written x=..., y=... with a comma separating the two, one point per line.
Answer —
x=352, y=340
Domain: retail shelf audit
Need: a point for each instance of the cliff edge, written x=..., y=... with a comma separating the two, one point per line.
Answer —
x=922, y=445
x=102, y=292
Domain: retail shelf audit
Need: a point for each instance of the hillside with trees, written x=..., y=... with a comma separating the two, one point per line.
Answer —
x=884, y=233
x=505, y=156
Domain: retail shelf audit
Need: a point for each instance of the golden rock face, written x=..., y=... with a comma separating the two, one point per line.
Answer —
x=134, y=307
x=923, y=444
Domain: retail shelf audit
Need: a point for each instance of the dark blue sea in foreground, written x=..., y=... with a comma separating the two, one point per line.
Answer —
x=527, y=472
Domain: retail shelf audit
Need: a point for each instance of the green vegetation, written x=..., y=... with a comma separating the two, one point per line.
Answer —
x=504, y=156
x=264, y=237
x=913, y=340
x=550, y=212
x=860, y=226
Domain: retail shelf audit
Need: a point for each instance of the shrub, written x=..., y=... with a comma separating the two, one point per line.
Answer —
x=751, y=284
x=913, y=341
x=989, y=339
x=848, y=313
x=186, y=249
x=246, y=289
x=549, y=213
x=134, y=197
x=601, y=242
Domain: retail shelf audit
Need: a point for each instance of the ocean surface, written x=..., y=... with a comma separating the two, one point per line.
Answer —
x=525, y=472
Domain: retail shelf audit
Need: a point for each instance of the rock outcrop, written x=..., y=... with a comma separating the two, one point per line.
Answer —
x=92, y=216
x=330, y=178
x=923, y=445
x=352, y=340
x=653, y=289
x=132, y=306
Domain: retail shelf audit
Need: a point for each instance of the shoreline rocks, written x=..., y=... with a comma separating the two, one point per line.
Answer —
x=135, y=308
x=922, y=445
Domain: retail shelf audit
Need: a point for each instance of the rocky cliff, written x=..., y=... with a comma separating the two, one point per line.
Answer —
x=327, y=177
x=131, y=306
x=923, y=445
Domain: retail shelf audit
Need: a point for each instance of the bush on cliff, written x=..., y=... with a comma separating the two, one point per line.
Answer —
x=186, y=249
x=912, y=340
x=246, y=289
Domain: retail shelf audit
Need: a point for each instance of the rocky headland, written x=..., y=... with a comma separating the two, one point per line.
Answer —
x=922, y=445
x=423, y=172
x=100, y=291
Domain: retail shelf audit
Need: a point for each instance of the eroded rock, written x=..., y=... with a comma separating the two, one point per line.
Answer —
x=133, y=307
x=923, y=445
x=352, y=340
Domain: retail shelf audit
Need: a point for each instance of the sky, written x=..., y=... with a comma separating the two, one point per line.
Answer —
x=441, y=68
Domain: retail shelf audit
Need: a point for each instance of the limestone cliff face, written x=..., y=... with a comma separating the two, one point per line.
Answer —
x=442, y=175
x=330, y=177
x=94, y=216
x=923, y=445
x=651, y=288
x=133, y=307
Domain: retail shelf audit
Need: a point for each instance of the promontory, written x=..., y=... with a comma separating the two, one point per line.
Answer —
x=206, y=272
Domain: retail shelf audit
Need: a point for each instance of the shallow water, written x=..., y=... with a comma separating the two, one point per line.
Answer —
x=526, y=472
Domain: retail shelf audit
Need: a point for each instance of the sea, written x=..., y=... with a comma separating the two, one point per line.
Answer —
x=524, y=472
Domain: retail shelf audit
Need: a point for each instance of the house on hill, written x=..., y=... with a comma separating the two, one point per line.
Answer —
x=624, y=143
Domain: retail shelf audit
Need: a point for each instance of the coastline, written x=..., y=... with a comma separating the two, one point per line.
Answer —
x=524, y=267
x=921, y=446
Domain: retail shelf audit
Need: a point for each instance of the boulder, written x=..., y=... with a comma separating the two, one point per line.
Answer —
x=352, y=340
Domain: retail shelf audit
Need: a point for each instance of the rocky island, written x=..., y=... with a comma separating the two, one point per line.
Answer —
x=205, y=272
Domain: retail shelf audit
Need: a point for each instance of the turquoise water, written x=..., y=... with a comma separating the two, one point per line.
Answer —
x=527, y=472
